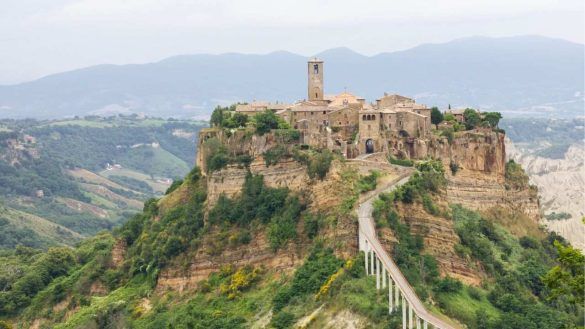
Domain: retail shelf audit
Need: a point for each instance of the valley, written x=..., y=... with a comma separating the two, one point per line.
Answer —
x=553, y=154
x=63, y=180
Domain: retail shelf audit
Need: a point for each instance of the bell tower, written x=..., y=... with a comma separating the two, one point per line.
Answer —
x=315, y=85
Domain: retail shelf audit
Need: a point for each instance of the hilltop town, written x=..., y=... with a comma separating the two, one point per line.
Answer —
x=351, y=126
x=312, y=215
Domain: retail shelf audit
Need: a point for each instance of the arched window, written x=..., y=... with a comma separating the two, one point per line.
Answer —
x=315, y=68
x=373, y=117
x=364, y=117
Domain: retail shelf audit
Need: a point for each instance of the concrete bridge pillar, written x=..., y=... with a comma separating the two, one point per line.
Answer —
x=366, y=255
x=410, y=317
x=384, y=274
x=403, y=314
x=372, y=257
x=378, y=272
x=397, y=295
x=390, y=297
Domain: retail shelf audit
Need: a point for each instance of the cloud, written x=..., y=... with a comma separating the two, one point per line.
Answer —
x=287, y=13
x=40, y=37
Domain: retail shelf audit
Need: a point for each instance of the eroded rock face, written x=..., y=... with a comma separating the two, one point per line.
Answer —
x=321, y=196
x=481, y=191
x=286, y=173
x=118, y=252
x=206, y=261
x=561, y=184
x=439, y=241
x=478, y=184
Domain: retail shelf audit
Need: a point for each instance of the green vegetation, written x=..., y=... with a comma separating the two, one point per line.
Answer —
x=275, y=154
x=22, y=289
x=549, y=138
x=308, y=279
x=267, y=121
x=153, y=244
x=271, y=206
x=227, y=117
x=400, y=162
x=474, y=119
x=135, y=184
x=566, y=281
x=436, y=116
x=525, y=289
x=518, y=267
x=558, y=216
x=516, y=178
x=36, y=173
x=369, y=182
x=218, y=157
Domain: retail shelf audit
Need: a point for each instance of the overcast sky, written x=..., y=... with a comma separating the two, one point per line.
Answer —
x=40, y=37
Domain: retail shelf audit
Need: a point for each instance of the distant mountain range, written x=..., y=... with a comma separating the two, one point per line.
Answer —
x=527, y=75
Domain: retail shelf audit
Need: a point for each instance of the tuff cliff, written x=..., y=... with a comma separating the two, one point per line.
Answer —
x=478, y=183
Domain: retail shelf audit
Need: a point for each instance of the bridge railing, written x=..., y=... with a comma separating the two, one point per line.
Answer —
x=379, y=263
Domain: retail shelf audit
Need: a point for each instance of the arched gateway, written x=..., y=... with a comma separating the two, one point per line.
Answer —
x=369, y=146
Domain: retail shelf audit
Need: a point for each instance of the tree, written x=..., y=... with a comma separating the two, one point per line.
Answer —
x=265, y=121
x=240, y=119
x=217, y=117
x=567, y=280
x=493, y=118
x=472, y=118
x=436, y=116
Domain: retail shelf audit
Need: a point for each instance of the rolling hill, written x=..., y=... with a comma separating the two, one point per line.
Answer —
x=63, y=180
x=517, y=75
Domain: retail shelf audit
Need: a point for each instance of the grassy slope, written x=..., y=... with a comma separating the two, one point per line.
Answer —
x=47, y=231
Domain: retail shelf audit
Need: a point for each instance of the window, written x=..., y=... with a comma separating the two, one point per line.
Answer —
x=364, y=117
x=373, y=117
x=311, y=112
x=324, y=112
x=315, y=68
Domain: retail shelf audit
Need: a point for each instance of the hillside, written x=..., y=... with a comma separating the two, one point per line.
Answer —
x=67, y=179
x=260, y=239
x=518, y=75
x=552, y=153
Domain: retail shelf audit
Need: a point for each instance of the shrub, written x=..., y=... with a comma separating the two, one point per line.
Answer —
x=280, y=231
x=369, y=182
x=239, y=281
x=515, y=176
x=558, y=216
x=448, y=285
x=309, y=278
x=282, y=320
x=313, y=224
x=428, y=205
x=176, y=183
x=436, y=116
x=474, y=293
x=449, y=133
x=454, y=167
x=265, y=121
x=273, y=155
x=472, y=118
x=319, y=164
x=400, y=162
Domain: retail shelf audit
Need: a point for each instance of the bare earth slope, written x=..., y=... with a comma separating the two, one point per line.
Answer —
x=561, y=186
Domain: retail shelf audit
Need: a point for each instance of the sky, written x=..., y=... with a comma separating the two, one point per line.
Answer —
x=41, y=37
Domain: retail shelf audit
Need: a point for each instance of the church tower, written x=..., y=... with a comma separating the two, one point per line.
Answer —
x=315, y=67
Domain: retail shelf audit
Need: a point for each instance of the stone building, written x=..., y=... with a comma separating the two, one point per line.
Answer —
x=346, y=122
